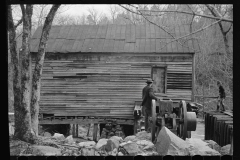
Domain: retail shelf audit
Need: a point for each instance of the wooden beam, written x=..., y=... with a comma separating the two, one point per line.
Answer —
x=83, y=121
x=95, y=129
x=193, y=77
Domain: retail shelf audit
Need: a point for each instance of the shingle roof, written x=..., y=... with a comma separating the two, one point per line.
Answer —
x=146, y=38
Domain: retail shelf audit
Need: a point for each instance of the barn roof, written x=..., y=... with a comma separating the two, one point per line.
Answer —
x=146, y=38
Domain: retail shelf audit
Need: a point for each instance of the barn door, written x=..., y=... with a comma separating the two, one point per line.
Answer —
x=159, y=77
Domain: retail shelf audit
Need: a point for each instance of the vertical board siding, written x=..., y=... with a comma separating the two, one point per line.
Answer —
x=107, y=84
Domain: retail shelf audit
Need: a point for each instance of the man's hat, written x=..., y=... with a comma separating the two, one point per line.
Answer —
x=149, y=81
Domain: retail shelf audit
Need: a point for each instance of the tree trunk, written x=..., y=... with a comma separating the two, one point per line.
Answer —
x=16, y=75
x=36, y=81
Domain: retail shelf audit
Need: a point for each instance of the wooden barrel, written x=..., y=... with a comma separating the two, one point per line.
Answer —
x=218, y=127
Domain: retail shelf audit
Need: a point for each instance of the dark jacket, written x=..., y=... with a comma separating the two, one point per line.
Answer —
x=222, y=92
x=147, y=96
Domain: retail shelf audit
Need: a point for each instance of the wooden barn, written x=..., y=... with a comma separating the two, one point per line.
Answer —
x=99, y=71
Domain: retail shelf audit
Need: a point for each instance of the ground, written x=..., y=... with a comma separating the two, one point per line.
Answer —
x=18, y=147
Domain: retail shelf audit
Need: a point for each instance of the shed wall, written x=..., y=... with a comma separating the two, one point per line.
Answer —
x=107, y=84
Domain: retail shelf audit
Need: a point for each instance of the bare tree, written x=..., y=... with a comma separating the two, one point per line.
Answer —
x=114, y=10
x=36, y=81
x=94, y=16
x=26, y=115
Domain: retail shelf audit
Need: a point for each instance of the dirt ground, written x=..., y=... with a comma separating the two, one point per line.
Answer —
x=200, y=130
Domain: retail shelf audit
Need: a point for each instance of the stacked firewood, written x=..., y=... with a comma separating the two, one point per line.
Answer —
x=112, y=129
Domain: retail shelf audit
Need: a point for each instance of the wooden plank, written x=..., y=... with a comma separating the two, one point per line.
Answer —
x=104, y=31
x=100, y=45
x=118, y=32
x=123, y=31
x=80, y=32
x=138, y=32
x=179, y=46
x=75, y=46
x=126, y=47
x=148, y=31
x=50, y=43
x=148, y=45
x=94, y=46
x=58, y=46
x=137, y=46
x=157, y=32
x=128, y=33
x=37, y=33
x=121, y=46
x=95, y=130
x=143, y=31
x=70, y=32
x=183, y=32
x=54, y=32
x=64, y=32
x=169, y=46
x=74, y=32
x=133, y=33
x=152, y=45
x=152, y=31
x=93, y=32
x=112, y=34
x=35, y=49
x=99, y=31
x=116, y=44
x=33, y=44
x=84, y=33
x=108, y=34
x=142, y=45
x=85, y=47
x=131, y=47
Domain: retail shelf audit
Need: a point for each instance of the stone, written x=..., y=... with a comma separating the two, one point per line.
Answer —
x=119, y=139
x=88, y=152
x=47, y=134
x=111, y=144
x=114, y=152
x=132, y=149
x=213, y=145
x=145, y=144
x=122, y=144
x=129, y=138
x=143, y=135
x=120, y=154
x=225, y=150
x=199, y=147
x=170, y=144
x=69, y=139
x=45, y=151
x=88, y=144
x=100, y=143
x=58, y=136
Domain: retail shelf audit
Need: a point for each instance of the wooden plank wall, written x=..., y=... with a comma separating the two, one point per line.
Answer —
x=107, y=84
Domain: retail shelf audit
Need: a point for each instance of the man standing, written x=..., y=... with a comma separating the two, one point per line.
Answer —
x=221, y=96
x=147, y=96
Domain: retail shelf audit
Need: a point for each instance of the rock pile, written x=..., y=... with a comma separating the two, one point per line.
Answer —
x=112, y=129
x=140, y=144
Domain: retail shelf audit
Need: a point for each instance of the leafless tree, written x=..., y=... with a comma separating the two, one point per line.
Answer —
x=94, y=15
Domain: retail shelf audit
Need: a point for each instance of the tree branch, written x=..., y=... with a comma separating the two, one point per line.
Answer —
x=201, y=15
x=191, y=33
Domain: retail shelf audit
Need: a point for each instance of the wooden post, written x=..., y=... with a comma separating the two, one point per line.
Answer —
x=135, y=126
x=95, y=130
x=203, y=100
x=231, y=149
x=73, y=130
x=77, y=130
x=193, y=78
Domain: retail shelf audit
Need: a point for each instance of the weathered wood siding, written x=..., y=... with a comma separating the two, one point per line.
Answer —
x=107, y=84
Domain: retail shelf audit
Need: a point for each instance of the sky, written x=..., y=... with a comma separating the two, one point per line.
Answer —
x=80, y=9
